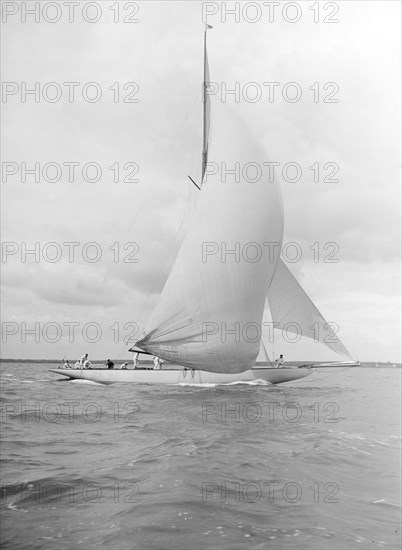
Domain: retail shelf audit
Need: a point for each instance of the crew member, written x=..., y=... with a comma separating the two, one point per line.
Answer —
x=279, y=362
x=157, y=363
x=110, y=364
x=135, y=359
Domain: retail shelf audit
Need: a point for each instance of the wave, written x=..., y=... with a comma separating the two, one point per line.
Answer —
x=87, y=382
x=55, y=491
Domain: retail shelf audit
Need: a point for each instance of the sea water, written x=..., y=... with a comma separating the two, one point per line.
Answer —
x=312, y=464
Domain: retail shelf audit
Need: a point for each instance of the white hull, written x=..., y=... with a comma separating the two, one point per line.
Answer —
x=182, y=376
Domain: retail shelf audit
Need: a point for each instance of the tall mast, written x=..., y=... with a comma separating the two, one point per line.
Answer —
x=204, y=99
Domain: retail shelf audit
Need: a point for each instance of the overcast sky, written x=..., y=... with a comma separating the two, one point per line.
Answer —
x=162, y=55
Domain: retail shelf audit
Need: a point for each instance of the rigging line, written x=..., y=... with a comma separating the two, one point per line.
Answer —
x=197, y=186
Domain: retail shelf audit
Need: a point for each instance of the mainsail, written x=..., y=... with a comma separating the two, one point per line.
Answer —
x=218, y=284
x=292, y=310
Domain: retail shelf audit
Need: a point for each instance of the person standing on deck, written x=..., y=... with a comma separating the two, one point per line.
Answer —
x=135, y=359
x=157, y=363
x=83, y=359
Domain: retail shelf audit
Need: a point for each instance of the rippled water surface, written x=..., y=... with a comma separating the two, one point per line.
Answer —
x=311, y=464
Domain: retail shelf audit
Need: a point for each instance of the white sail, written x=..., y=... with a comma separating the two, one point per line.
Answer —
x=293, y=311
x=208, y=295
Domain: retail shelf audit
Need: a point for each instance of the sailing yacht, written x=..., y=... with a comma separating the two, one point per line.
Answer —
x=209, y=315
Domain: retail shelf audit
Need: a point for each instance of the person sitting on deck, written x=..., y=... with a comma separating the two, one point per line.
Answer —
x=87, y=364
x=135, y=359
x=110, y=364
x=66, y=365
x=279, y=362
x=124, y=365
